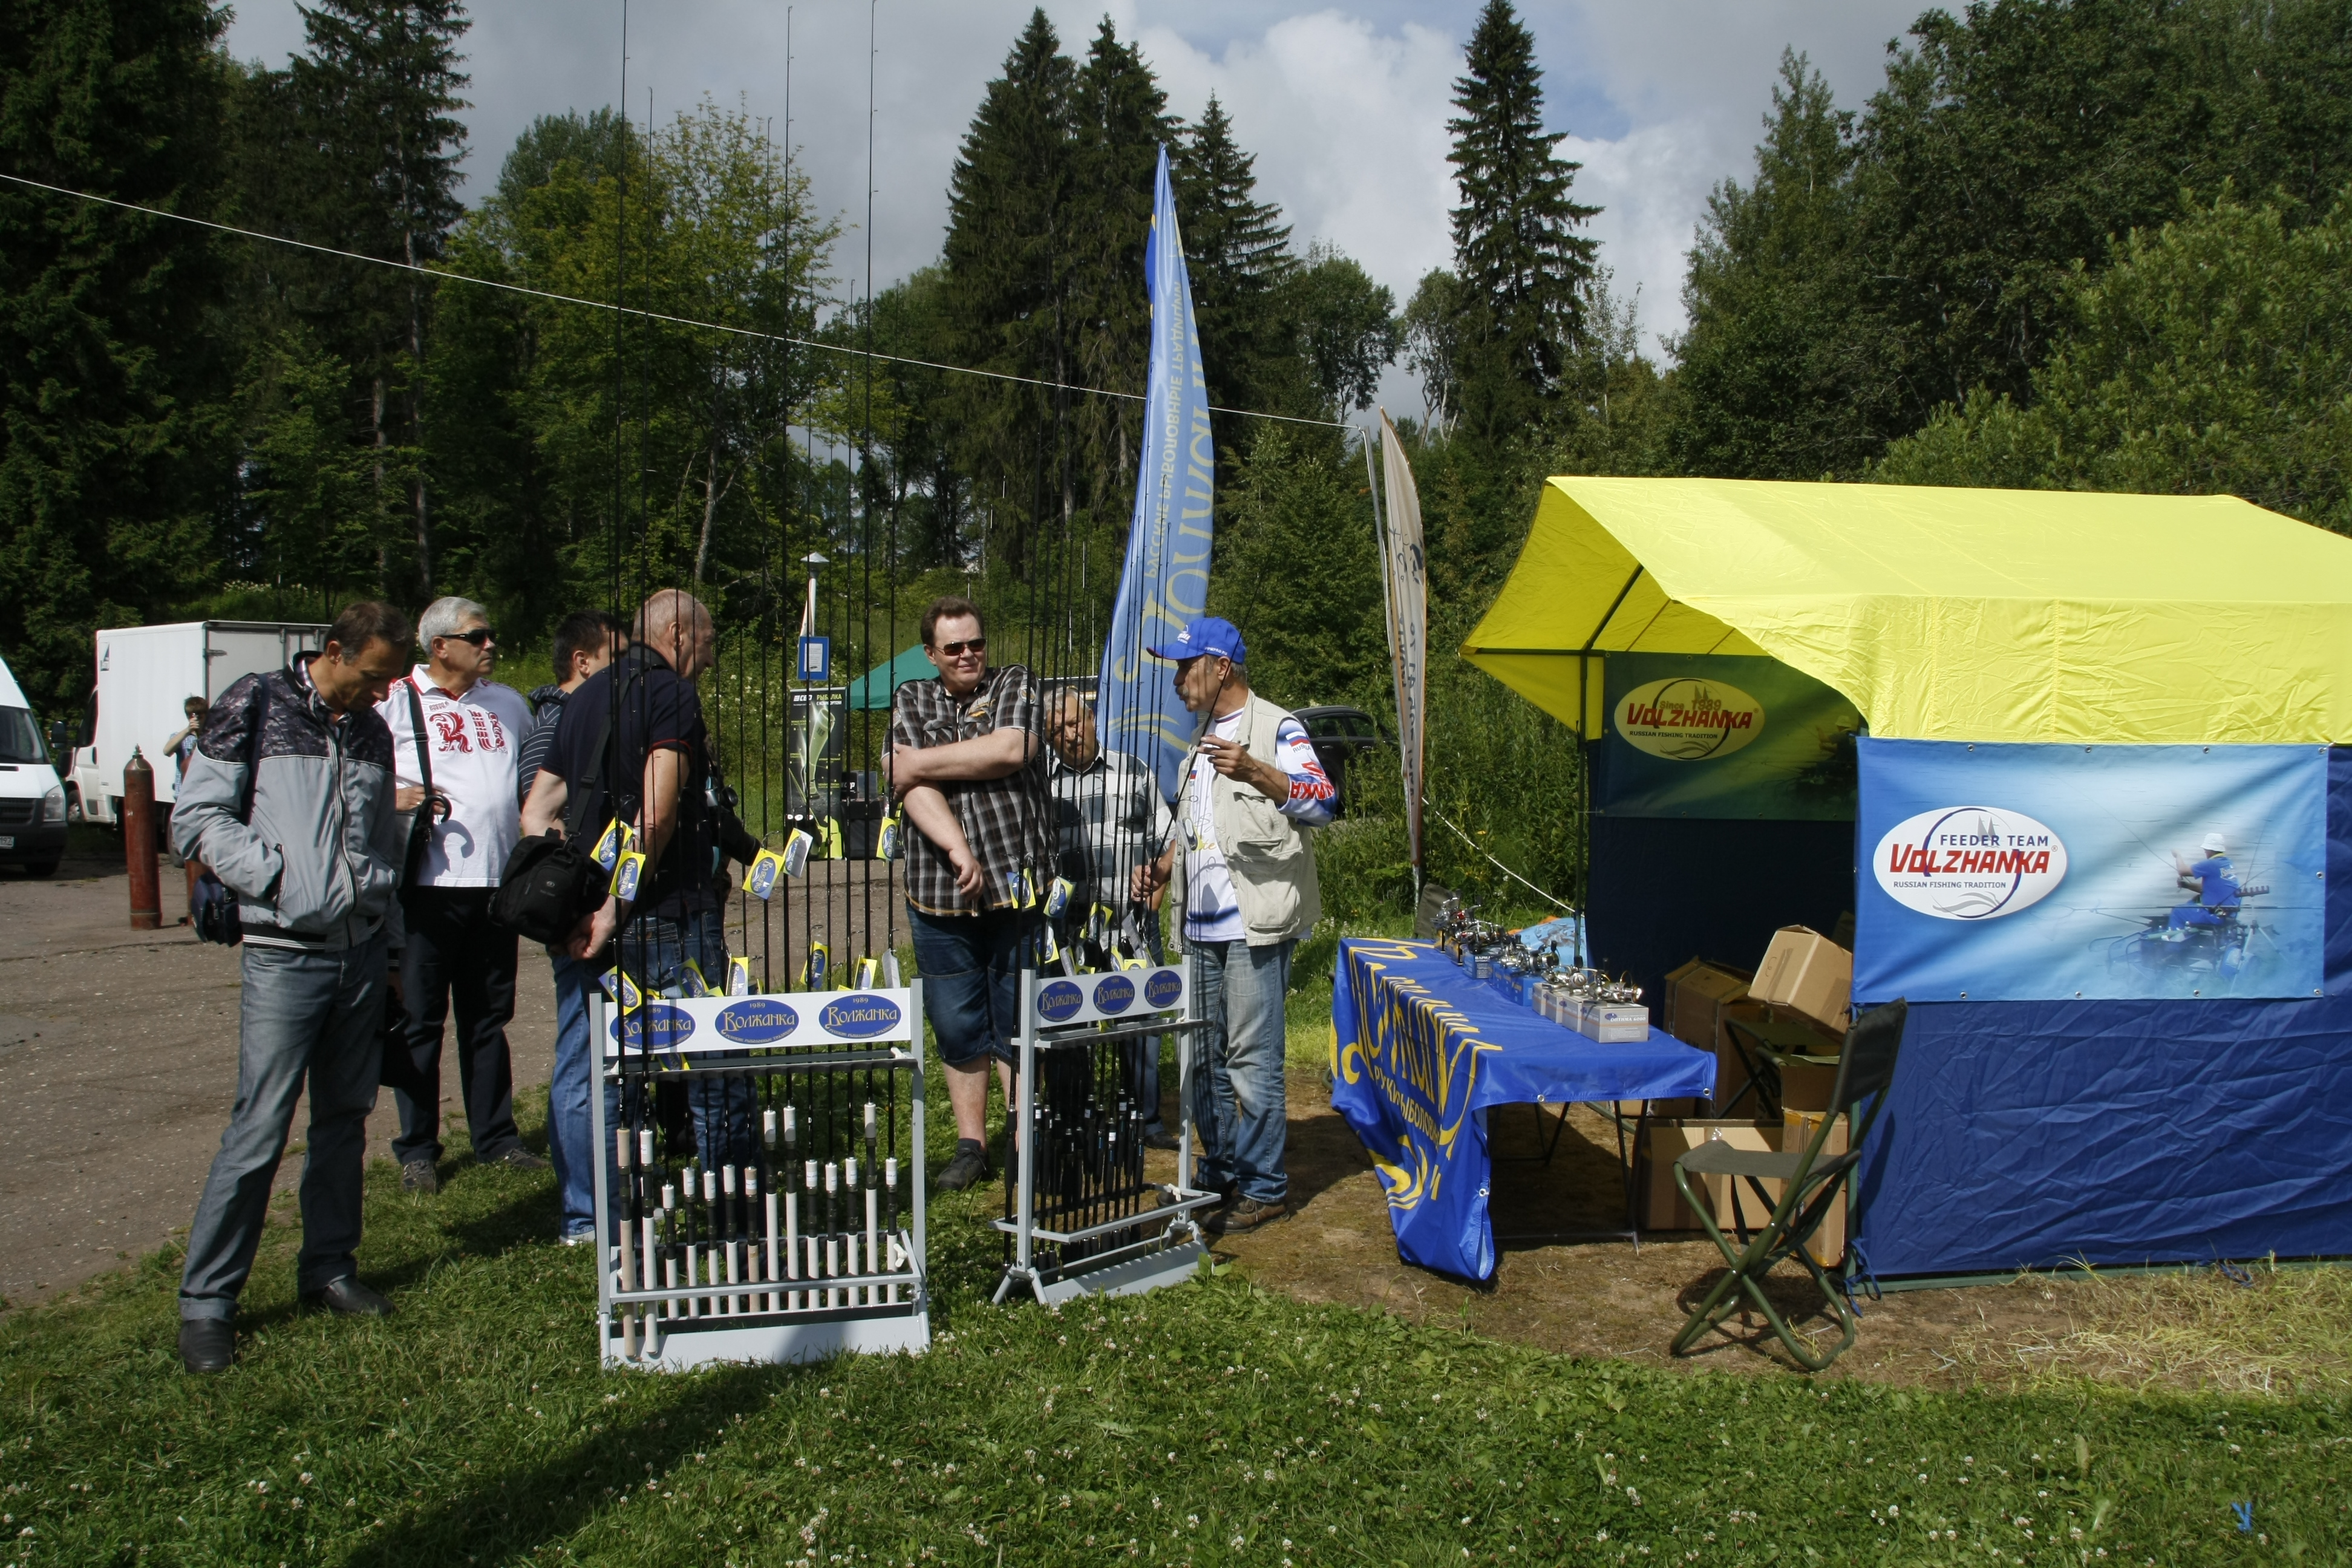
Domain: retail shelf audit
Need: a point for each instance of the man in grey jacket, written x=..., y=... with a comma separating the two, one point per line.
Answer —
x=289, y=799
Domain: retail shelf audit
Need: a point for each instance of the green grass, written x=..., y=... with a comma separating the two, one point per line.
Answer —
x=1211, y=1423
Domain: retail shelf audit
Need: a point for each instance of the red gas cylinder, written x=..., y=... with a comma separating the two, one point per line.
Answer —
x=138, y=842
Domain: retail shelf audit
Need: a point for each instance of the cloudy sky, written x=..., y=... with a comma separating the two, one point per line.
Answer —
x=1344, y=105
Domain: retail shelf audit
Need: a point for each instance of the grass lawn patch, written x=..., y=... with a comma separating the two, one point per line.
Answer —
x=1213, y=1423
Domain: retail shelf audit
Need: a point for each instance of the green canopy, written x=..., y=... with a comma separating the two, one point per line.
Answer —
x=875, y=688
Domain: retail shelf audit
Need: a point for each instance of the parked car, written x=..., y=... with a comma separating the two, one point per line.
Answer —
x=32, y=796
x=1341, y=735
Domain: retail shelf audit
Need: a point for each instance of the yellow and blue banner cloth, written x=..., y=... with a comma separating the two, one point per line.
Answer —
x=1421, y=1051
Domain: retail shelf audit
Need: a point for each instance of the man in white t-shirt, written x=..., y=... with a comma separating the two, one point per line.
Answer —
x=1247, y=891
x=453, y=724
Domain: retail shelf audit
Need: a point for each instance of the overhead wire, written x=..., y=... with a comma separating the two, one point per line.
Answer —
x=817, y=343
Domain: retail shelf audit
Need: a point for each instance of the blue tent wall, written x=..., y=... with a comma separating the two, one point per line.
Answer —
x=2029, y=1134
x=1663, y=889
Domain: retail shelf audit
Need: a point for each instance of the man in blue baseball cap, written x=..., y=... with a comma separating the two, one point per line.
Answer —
x=1247, y=892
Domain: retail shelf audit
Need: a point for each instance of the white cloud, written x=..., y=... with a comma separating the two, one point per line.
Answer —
x=1344, y=105
x=1342, y=122
x=1651, y=185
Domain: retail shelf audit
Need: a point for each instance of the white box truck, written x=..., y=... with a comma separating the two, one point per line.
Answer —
x=145, y=677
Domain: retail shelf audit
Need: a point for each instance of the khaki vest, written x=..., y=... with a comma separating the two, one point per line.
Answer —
x=1270, y=857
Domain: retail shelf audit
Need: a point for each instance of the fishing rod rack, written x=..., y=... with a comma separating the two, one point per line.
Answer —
x=800, y=1235
x=1081, y=1217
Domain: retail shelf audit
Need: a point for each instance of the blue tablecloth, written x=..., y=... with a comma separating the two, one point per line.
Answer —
x=1420, y=1051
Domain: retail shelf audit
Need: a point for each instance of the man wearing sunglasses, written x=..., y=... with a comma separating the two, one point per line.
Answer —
x=455, y=726
x=966, y=757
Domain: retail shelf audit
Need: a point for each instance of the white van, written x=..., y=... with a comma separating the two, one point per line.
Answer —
x=32, y=796
x=145, y=677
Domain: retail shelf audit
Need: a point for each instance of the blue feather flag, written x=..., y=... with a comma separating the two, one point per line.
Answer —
x=1165, y=582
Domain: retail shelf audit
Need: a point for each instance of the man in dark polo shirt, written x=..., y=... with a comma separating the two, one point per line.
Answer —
x=656, y=778
x=968, y=759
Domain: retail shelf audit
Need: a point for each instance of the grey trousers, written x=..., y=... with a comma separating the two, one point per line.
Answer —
x=318, y=1016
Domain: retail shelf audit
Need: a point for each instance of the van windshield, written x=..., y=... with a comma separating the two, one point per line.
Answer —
x=20, y=740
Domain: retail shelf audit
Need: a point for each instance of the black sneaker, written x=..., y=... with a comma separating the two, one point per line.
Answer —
x=1163, y=1140
x=207, y=1345
x=347, y=1298
x=519, y=1159
x=419, y=1176
x=968, y=1168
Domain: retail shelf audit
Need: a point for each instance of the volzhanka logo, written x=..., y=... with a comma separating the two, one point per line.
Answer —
x=860, y=1016
x=1969, y=862
x=758, y=1021
x=1688, y=720
x=1114, y=993
x=656, y=1027
x=1059, y=1001
x=1161, y=988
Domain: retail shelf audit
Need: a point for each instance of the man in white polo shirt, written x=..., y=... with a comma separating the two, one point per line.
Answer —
x=457, y=734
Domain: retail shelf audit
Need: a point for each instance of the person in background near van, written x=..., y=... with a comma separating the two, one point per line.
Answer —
x=183, y=744
x=449, y=716
x=290, y=798
x=179, y=748
x=1246, y=894
x=585, y=642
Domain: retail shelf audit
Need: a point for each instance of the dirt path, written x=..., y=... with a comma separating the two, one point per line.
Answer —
x=118, y=1063
x=1601, y=1299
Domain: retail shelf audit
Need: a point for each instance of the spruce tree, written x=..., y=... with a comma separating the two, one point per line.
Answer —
x=374, y=169
x=1238, y=250
x=1120, y=125
x=1007, y=286
x=111, y=381
x=1522, y=265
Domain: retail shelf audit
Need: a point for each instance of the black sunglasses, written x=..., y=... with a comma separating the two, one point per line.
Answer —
x=953, y=649
x=478, y=636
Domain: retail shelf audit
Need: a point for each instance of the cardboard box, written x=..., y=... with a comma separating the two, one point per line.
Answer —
x=1809, y=975
x=1700, y=998
x=1662, y=1203
x=1797, y=1130
x=1696, y=996
x=1807, y=1086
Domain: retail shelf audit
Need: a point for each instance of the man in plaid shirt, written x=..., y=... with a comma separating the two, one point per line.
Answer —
x=966, y=758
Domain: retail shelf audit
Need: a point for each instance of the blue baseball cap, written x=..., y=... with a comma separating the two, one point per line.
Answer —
x=1207, y=635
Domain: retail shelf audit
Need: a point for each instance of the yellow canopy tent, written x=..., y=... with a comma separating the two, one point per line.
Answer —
x=1944, y=614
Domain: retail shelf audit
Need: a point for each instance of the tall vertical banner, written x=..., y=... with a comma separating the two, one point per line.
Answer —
x=1165, y=582
x=1407, y=569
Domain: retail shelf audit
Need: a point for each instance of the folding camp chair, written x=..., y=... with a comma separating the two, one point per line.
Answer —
x=1809, y=1184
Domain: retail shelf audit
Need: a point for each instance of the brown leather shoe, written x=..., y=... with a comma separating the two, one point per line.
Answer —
x=1247, y=1215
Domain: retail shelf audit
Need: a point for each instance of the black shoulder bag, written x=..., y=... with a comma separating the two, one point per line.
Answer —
x=550, y=882
x=214, y=914
x=420, y=828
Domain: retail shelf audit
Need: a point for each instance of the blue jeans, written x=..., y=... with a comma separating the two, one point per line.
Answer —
x=653, y=951
x=1237, y=1093
x=568, y=1122
x=304, y=1015
x=970, y=966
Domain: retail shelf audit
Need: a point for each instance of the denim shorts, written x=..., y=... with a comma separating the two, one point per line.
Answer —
x=970, y=966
